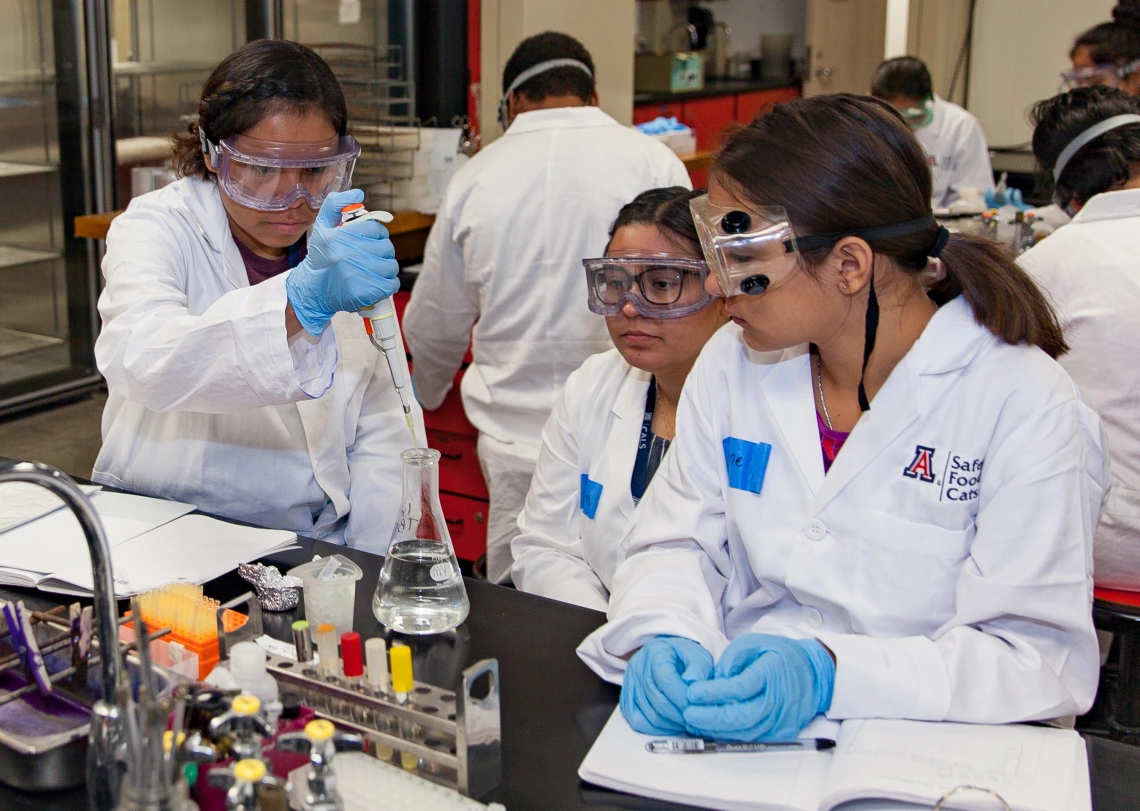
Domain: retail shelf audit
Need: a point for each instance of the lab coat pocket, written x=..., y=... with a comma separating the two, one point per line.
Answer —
x=907, y=574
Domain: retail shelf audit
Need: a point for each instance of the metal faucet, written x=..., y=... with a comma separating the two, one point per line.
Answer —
x=107, y=734
x=320, y=741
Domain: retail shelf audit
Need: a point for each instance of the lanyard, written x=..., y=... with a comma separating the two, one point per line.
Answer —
x=650, y=448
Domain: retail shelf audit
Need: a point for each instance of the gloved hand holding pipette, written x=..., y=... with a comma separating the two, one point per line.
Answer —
x=346, y=269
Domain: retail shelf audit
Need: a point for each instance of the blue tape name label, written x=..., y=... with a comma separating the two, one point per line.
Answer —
x=747, y=462
x=591, y=495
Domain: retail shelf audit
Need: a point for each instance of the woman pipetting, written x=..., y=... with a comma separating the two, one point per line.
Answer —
x=615, y=420
x=939, y=566
x=239, y=379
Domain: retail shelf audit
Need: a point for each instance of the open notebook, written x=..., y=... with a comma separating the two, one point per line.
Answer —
x=876, y=765
x=153, y=542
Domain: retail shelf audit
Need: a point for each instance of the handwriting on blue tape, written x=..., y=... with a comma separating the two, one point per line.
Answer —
x=591, y=495
x=747, y=462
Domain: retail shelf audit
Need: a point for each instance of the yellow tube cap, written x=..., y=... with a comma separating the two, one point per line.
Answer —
x=401, y=658
x=249, y=770
x=168, y=737
x=246, y=704
x=320, y=730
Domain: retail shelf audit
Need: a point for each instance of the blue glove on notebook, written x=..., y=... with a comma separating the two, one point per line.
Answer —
x=764, y=688
x=656, y=680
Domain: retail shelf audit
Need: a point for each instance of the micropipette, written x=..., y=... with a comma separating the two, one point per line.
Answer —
x=380, y=323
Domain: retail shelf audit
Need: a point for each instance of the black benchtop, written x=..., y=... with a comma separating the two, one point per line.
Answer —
x=716, y=87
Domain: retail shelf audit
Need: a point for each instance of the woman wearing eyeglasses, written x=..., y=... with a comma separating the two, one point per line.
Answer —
x=894, y=517
x=1109, y=53
x=615, y=420
x=239, y=378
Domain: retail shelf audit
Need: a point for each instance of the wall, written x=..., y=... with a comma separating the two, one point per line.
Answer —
x=936, y=33
x=1020, y=47
x=606, y=27
x=748, y=19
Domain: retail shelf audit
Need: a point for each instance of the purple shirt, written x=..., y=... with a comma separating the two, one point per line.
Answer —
x=258, y=268
x=830, y=441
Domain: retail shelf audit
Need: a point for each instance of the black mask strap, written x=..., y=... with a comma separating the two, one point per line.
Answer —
x=871, y=329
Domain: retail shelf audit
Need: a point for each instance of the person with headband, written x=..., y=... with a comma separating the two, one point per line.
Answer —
x=1088, y=141
x=1108, y=54
x=616, y=417
x=951, y=136
x=882, y=495
x=504, y=257
x=239, y=377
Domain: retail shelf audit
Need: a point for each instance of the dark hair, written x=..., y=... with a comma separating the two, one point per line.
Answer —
x=1116, y=42
x=841, y=163
x=565, y=81
x=903, y=76
x=666, y=208
x=261, y=78
x=1100, y=164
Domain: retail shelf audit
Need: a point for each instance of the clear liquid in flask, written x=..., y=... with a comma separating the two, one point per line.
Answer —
x=421, y=589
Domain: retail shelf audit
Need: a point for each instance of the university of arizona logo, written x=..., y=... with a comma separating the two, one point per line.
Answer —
x=922, y=466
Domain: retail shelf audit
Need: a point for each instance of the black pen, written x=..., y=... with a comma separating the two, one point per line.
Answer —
x=698, y=746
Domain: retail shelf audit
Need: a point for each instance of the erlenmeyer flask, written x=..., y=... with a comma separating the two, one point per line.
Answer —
x=421, y=588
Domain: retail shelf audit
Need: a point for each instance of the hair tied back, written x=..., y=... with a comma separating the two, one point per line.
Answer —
x=939, y=242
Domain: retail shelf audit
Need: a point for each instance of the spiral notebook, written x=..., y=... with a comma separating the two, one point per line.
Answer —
x=876, y=765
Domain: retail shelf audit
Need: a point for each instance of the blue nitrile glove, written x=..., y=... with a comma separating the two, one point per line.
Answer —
x=1010, y=197
x=765, y=688
x=345, y=269
x=656, y=678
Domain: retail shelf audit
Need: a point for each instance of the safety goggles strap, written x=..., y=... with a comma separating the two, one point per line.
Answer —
x=902, y=229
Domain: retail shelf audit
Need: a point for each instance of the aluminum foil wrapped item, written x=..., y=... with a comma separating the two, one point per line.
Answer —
x=275, y=591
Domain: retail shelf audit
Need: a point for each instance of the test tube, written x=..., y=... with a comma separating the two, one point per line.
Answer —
x=352, y=657
x=402, y=686
x=326, y=649
x=376, y=653
x=303, y=640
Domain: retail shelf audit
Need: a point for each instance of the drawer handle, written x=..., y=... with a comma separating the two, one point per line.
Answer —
x=455, y=522
x=454, y=457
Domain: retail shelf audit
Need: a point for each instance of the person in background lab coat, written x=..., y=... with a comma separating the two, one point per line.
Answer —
x=892, y=517
x=505, y=256
x=614, y=421
x=953, y=139
x=1089, y=139
x=1109, y=54
x=239, y=377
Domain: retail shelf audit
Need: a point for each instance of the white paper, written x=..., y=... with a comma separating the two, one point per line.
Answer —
x=1032, y=768
x=56, y=540
x=788, y=781
x=348, y=12
x=194, y=548
x=21, y=502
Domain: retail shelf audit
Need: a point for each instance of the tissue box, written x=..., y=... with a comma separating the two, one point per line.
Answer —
x=667, y=72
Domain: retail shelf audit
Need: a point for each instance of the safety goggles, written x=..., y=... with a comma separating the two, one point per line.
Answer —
x=272, y=176
x=1108, y=75
x=918, y=117
x=751, y=251
x=658, y=285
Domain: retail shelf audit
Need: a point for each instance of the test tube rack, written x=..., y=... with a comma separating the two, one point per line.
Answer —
x=456, y=737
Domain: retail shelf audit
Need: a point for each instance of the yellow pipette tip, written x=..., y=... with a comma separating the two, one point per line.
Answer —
x=401, y=659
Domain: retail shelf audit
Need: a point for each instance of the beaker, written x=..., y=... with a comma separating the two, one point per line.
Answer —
x=421, y=588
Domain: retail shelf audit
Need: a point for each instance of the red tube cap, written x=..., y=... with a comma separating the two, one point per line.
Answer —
x=352, y=654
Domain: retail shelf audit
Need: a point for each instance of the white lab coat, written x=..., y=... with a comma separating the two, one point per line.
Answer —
x=593, y=431
x=209, y=403
x=959, y=155
x=505, y=255
x=1091, y=271
x=964, y=595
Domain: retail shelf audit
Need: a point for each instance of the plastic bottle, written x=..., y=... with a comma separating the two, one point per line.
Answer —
x=247, y=666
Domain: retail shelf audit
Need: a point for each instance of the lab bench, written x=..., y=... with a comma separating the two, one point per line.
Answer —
x=553, y=707
x=710, y=112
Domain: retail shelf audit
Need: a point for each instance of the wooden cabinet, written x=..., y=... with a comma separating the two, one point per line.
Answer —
x=750, y=105
x=711, y=116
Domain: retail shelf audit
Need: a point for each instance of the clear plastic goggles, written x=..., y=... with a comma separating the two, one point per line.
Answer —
x=1108, y=75
x=750, y=250
x=657, y=285
x=272, y=176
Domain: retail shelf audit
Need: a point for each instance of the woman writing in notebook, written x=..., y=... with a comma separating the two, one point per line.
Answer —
x=892, y=515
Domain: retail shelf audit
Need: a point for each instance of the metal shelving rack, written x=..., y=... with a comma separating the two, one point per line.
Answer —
x=381, y=115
